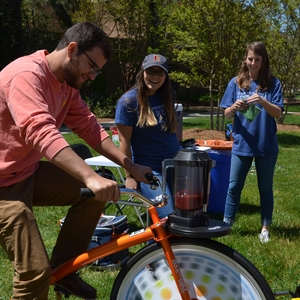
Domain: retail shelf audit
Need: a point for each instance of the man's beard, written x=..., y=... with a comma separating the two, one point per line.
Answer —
x=72, y=74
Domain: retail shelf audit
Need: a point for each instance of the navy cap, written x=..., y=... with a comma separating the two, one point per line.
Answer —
x=155, y=60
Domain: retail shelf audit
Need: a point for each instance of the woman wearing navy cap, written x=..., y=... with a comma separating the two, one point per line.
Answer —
x=146, y=122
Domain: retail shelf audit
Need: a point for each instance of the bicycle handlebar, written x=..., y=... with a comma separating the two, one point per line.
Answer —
x=154, y=181
x=160, y=200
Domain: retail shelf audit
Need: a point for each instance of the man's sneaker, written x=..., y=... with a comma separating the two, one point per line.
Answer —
x=72, y=284
x=264, y=236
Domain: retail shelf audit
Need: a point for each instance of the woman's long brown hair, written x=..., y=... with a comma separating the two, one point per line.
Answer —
x=147, y=117
x=264, y=78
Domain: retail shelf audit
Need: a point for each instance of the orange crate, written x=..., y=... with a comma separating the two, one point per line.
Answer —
x=215, y=144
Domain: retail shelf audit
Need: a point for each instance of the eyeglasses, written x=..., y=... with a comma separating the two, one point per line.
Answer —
x=159, y=72
x=94, y=71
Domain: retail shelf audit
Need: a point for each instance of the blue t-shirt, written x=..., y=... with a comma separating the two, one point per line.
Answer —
x=256, y=138
x=149, y=145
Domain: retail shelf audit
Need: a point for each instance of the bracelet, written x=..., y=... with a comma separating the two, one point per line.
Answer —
x=232, y=110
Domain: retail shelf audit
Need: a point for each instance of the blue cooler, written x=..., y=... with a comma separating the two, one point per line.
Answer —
x=219, y=176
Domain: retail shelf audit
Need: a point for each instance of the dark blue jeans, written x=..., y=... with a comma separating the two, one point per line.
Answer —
x=240, y=166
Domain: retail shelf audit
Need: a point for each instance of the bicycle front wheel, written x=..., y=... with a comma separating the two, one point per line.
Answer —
x=211, y=270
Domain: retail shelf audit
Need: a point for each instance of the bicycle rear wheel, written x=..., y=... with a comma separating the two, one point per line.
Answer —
x=211, y=271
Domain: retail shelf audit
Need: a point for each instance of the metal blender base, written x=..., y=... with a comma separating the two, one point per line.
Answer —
x=207, y=228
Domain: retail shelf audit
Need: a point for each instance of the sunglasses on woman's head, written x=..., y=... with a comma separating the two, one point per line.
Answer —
x=159, y=72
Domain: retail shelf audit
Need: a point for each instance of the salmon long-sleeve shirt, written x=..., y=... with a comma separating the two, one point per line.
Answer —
x=33, y=106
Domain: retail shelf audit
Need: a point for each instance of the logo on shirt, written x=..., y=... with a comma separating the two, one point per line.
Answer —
x=64, y=101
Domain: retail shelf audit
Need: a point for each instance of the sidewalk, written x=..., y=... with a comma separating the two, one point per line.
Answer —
x=107, y=123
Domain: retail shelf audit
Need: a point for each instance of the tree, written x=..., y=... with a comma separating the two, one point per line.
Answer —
x=130, y=22
x=208, y=38
x=11, y=38
x=283, y=40
x=204, y=38
x=40, y=25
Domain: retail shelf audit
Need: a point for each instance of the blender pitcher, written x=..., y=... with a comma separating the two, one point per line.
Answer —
x=191, y=182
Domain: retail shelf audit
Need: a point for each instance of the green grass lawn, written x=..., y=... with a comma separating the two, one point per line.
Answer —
x=277, y=260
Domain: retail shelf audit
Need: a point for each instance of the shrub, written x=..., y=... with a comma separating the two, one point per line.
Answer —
x=103, y=107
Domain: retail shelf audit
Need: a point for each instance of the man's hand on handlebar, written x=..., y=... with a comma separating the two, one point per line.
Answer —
x=108, y=190
x=104, y=189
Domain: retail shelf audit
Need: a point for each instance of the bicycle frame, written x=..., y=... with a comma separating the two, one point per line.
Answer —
x=155, y=231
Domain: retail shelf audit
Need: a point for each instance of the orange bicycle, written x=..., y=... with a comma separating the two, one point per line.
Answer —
x=183, y=263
